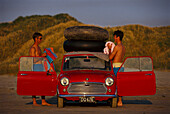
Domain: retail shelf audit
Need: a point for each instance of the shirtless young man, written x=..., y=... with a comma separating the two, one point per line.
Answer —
x=117, y=55
x=35, y=50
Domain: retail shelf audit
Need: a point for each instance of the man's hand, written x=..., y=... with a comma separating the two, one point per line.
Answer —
x=109, y=45
x=44, y=55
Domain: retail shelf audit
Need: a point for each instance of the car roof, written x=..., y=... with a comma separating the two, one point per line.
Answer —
x=97, y=54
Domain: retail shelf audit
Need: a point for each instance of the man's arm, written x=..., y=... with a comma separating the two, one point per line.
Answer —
x=44, y=55
x=112, y=55
x=32, y=52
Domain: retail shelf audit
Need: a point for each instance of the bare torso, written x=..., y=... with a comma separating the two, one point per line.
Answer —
x=35, y=50
x=118, y=53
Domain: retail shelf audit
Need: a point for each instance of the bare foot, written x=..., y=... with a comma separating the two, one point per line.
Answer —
x=119, y=104
x=46, y=104
x=120, y=101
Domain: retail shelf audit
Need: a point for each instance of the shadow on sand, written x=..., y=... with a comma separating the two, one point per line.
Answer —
x=53, y=100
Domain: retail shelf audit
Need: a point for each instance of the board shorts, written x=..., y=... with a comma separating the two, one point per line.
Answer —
x=116, y=67
x=38, y=67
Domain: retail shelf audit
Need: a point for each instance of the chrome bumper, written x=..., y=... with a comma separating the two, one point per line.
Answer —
x=87, y=95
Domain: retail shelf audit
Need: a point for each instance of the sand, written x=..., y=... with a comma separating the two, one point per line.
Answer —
x=159, y=103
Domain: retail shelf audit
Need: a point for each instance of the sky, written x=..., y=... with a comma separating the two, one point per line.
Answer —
x=153, y=13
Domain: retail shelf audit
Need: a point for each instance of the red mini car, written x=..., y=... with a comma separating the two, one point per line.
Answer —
x=89, y=77
x=86, y=77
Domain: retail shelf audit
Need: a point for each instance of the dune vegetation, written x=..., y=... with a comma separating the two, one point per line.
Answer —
x=16, y=40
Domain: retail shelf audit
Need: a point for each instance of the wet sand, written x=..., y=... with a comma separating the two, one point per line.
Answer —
x=159, y=103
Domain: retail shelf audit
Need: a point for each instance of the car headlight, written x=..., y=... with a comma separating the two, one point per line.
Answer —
x=64, y=81
x=109, y=81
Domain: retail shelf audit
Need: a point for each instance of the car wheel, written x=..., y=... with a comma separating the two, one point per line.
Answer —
x=60, y=102
x=114, y=102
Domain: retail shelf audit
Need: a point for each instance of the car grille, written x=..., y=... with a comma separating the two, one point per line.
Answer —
x=87, y=88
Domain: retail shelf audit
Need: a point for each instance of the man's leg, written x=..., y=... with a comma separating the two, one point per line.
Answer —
x=120, y=101
x=119, y=98
x=34, y=101
x=44, y=103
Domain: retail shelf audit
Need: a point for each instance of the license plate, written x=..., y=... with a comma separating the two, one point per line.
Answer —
x=87, y=99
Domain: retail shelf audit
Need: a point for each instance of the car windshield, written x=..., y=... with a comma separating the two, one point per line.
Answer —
x=85, y=63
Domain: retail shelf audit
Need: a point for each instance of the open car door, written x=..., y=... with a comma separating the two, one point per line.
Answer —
x=36, y=77
x=136, y=77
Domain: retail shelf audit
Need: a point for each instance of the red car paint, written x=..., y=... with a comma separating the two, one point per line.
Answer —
x=127, y=83
x=41, y=83
x=137, y=79
x=137, y=83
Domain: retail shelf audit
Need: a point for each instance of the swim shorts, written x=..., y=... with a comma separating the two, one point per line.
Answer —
x=116, y=69
x=38, y=67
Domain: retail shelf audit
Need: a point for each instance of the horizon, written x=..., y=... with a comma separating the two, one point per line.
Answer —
x=151, y=13
x=91, y=24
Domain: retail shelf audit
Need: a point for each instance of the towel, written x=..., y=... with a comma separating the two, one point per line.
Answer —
x=106, y=49
x=51, y=56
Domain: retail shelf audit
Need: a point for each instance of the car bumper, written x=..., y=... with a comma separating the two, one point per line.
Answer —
x=87, y=95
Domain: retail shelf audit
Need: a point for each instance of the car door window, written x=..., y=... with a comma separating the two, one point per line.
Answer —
x=137, y=64
x=34, y=64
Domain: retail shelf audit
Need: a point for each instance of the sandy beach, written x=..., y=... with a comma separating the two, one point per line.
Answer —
x=159, y=103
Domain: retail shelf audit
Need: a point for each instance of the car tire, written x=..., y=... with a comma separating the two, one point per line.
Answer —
x=86, y=33
x=60, y=102
x=92, y=46
x=114, y=102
